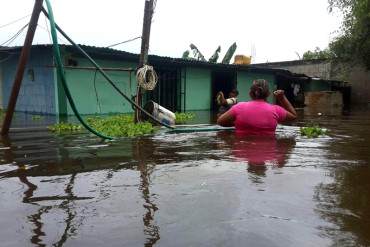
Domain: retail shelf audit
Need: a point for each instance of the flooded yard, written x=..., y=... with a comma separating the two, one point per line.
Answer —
x=189, y=189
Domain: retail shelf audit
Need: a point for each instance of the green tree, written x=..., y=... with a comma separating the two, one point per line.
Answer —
x=353, y=42
x=186, y=54
x=317, y=54
x=197, y=54
x=215, y=55
x=229, y=54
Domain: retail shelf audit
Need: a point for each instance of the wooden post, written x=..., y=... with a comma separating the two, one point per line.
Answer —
x=21, y=66
x=148, y=14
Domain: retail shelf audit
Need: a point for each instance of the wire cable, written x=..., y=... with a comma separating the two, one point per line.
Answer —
x=61, y=72
x=48, y=31
x=15, y=21
x=47, y=27
x=9, y=41
x=123, y=42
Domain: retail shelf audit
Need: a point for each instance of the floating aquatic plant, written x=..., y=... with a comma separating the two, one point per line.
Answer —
x=114, y=126
x=120, y=125
x=183, y=117
x=62, y=128
x=312, y=131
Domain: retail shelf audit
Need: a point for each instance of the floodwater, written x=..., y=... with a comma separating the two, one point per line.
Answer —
x=189, y=189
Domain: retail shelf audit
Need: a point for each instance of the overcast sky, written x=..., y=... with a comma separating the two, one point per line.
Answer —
x=271, y=30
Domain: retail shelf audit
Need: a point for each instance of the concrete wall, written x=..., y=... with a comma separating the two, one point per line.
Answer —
x=323, y=99
x=245, y=80
x=356, y=75
x=312, y=68
x=93, y=94
x=319, y=70
x=198, y=89
x=37, y=93
x=359, y=79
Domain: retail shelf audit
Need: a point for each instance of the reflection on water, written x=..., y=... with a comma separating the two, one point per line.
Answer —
x=259, y=152
x=189, y=189
x=345, y=203
x=323, y=110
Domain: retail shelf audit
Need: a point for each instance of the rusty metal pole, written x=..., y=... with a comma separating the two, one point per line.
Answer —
x=21, y=66
x=148, y=14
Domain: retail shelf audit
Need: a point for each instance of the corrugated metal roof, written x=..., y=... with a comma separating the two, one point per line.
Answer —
x=293, y=62
x=154, y=59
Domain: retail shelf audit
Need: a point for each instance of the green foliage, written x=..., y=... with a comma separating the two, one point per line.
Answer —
x=215, y=55
x=312, y=131
x=197, y=54
x=186, y=54
x=229, y=54
x=183, y=117
x=317, y=54
x=63, y=128
x=115, y=126
x=37, y=117
x=2, y=112
x=353, y=42
x=120, y=125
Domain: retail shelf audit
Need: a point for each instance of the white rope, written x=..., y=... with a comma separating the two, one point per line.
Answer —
x=146, y=77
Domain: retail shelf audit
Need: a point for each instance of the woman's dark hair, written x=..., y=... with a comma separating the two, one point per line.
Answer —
x=259, y=89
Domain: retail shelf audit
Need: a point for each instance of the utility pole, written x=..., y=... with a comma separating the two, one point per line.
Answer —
x=145, y=37
x=21, y=66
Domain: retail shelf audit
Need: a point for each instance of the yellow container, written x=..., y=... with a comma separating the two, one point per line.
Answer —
x=242, y=59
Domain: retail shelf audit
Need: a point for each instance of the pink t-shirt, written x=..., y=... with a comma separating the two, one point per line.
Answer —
x=257, y=117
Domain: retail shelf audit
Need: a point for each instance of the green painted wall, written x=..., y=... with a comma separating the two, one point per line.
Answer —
x=104, y=99
x=244, y=82
x=198, y=89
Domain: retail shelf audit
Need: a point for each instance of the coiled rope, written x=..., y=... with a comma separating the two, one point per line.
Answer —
x=147, y=77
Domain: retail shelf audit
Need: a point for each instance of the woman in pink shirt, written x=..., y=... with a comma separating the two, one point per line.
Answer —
x=257, y=117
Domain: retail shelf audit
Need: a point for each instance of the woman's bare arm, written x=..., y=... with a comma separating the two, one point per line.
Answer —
x=226, y=119
x=284, y=102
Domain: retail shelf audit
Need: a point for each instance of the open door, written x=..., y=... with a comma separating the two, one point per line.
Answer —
x=224, y=81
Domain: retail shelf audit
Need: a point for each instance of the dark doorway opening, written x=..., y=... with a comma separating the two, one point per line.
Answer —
x=293, y=87
x=166, y=91
x=224, y=81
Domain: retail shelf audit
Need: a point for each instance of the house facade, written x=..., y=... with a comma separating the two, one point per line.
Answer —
x=184, y=85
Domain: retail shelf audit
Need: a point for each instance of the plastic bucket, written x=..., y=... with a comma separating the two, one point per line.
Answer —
x=160, y=113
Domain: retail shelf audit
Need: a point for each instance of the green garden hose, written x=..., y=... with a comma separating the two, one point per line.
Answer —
x=60, y=70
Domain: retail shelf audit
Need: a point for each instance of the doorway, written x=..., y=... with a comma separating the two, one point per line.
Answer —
x=224, y=81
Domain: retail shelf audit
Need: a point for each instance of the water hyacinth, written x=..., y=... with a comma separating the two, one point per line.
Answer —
x=61, y=128
x=312, y=131
x=114, y=126
x=183, y=117
x=120, y=125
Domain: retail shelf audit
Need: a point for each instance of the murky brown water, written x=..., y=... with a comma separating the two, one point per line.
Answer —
x=189, y=189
